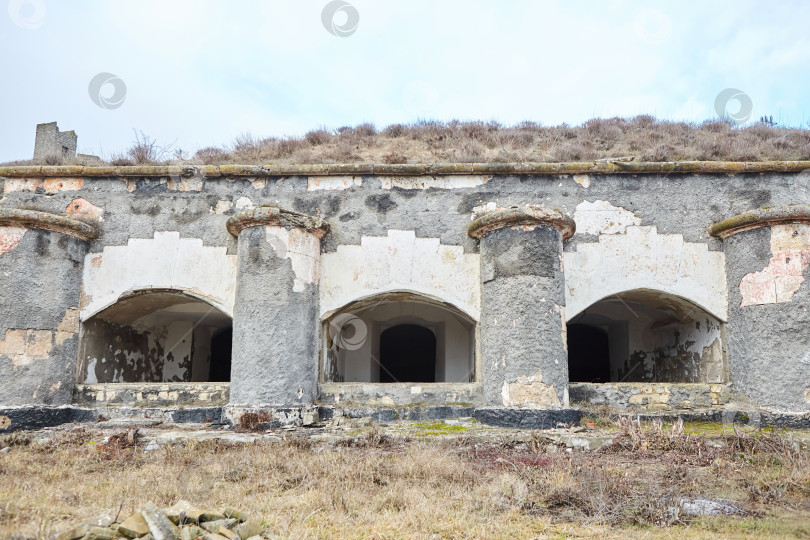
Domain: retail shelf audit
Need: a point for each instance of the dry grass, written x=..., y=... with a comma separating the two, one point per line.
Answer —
x=381, y=487
x=642, y=138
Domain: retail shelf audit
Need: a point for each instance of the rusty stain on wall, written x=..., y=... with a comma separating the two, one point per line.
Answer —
x=779, y=281
x=530, y=392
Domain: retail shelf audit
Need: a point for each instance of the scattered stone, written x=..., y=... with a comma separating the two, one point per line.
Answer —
x=151, y=446
x=73, y=533
x=213, y=526
x=227, y=533
x=249, y=529
x=183, y=512
x=100, y=533
x=211, y=516
x=234, y=513
x=134, y=526
x=159, y=525
x=191, y=532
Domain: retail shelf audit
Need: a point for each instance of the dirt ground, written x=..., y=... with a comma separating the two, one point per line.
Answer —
x=426, y=480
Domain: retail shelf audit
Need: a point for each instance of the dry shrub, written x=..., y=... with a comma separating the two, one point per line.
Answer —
x=318, y=136
x=209, y=155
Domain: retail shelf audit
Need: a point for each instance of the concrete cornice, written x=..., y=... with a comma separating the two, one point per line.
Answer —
x=270, y=215
x=33, y=219
x=384, y=169
x=762, y=217
x=523, y=216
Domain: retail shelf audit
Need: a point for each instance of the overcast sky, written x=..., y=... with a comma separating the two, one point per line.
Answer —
x=200, y=72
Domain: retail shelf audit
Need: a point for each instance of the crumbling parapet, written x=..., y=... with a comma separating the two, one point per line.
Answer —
x=523, y=341
x=41, y=258
x=767, y=262
x=275, y=324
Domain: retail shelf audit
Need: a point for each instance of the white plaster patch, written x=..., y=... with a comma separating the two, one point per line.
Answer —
x=10, y=237
x=482, y=209
x=779, y=281
x=331, y=183
x=601, y=217
x=302, y=248
x=86, y=211
x=583, y=180
x=401, y=262
x=221, y=207
x=644, y=259
x=436, y=182
x=243, y=203
x=163, y=262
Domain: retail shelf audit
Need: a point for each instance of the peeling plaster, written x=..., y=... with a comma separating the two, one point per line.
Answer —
x=185, y=184
x=401, y=261
x=529, y=392
x=50, y=186
x=601, y=217
x=779, y=281
x=432, y=182
x=26, y=346
x=644, y=259
x=583, y=180
x=10, y=237
x=303, y=249
x=163, y=262
x=221, y=207
x=330, y=183
x=83, y=210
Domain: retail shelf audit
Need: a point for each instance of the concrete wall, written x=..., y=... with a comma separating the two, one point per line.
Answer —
x=167, y=231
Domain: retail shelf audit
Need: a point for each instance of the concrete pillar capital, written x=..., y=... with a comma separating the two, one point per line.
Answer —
x=522, y=217
x=33, y=219
x=761, y=217
x=273, y=216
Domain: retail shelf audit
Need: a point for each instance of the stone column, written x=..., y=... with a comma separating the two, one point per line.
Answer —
x=275, y=323
x=523, y=331
x=767, y=266
x=41, y=258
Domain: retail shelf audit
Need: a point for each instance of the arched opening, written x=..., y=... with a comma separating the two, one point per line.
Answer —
x=156, y=336
x=407, y=354
x=399, y=337
x=646, y=336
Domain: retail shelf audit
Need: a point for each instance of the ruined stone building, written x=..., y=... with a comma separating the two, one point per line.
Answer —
x=492, y=287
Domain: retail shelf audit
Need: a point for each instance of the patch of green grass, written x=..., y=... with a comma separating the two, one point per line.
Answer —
x=437, y=428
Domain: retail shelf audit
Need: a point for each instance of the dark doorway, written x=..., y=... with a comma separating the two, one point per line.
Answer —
x=588, y=354
x=221, y=345
x=407, y=354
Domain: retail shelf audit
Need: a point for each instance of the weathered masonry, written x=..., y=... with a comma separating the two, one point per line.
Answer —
x=516, y=286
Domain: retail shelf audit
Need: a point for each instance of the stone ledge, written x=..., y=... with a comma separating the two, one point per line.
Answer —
x=650, y=396
x=270, y=215
x=762, y=217
x=152, y=394
x=415, y=169
x=33, y=219
x=525, y=217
